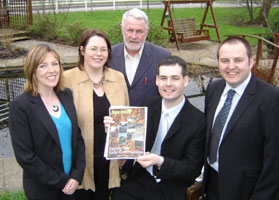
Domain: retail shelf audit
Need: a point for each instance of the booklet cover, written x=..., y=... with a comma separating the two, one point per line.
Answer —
x=126, y=137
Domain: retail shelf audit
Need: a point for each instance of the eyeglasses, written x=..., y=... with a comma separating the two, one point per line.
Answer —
x=95, y=50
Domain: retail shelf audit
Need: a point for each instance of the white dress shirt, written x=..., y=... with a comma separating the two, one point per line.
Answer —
x=131, y=64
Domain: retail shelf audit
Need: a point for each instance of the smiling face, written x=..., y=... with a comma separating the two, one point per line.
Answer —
x=234, y=64
x=95, y=53
x=171, y=84
x=134, y=34
x=47, y=73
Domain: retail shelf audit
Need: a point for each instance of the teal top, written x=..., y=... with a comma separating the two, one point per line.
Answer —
x=64, y=128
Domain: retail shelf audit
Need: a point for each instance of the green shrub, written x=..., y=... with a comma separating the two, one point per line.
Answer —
x=274, y=28
x=274, y=22
x=156, y=35
x=47, y=26
x=73, y=31
x=114, y=34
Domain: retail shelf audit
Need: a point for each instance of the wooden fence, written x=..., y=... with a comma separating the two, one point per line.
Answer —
x=19, y=12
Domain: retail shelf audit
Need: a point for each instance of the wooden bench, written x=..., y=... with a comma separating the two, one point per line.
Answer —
x=186, y=31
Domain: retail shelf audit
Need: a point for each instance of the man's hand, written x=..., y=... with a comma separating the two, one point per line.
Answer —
x=107, y=121
x=150, y=159
x=70, y=187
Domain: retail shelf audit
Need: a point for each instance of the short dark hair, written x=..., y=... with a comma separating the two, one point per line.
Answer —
x=87, y=34
x=172, y=61
x=234, y=40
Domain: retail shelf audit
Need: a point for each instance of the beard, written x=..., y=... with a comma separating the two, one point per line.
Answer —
x=135, y=46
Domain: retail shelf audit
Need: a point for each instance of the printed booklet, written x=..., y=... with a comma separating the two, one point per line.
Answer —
x=126, y=136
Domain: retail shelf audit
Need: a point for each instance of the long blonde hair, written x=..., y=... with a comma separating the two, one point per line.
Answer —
x=34, y=58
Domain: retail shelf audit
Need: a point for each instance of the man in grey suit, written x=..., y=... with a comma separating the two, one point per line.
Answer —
x=242, y=154
x=136, y=58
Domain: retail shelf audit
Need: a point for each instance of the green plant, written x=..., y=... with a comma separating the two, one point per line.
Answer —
x=74, y=31
x=13, y=196
x=273, y=28
x=274, y=22
x=114, y=34
x=48, y=23
x=155, y=35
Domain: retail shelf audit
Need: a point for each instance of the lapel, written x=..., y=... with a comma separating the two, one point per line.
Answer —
x=68, y=106
x=120, y=64
x=154, y=120
x=244, y=102
x=44, y=117
x=144, y=64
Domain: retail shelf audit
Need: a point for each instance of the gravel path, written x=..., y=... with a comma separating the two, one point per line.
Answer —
x=191, y=52
x=63, y=50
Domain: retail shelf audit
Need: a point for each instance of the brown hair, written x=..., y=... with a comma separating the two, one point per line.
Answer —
x=173, y=61
x=84, y=41
x=234, y=40
x=34, y=58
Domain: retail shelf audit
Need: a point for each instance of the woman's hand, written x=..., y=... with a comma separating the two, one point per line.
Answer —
x=107, y=121
x=70, y=187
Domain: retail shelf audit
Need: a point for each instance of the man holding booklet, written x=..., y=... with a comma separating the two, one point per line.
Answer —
x=174, y=141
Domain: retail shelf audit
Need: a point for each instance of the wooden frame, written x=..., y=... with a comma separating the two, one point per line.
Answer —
x=186, y=31
x=266, y=75
x=171, y=28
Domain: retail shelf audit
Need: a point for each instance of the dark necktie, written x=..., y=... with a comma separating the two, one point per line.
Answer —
x=218, y=127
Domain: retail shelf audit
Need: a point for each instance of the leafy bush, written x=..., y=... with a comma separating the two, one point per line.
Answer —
x=274, y=28
x=47, y=25
x=74, y=31
x=274, y=22
x=155, y=35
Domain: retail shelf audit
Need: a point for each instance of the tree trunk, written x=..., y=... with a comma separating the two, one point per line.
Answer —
x=264, y=11
x=250, y=9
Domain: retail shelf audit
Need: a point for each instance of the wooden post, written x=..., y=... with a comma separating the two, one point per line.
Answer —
x=30, y=12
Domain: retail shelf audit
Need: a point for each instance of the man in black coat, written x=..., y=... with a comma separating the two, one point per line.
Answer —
x=174, y=142
x=242, y=162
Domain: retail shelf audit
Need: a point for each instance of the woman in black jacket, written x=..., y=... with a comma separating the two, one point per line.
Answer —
x=45, y=135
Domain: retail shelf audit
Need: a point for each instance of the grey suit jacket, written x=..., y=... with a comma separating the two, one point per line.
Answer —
x=143, y=85
x=249, y=153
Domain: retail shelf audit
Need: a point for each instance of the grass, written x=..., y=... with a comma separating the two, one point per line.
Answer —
x=226, y=19
x=13, y=196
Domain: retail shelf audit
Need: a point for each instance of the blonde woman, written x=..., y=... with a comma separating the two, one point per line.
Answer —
x=45, y=135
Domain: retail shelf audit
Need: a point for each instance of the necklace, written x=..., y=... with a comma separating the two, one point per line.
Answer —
x=55, y=108
x=99, y=84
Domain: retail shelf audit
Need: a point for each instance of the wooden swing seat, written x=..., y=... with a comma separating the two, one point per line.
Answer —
x=186, y=31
